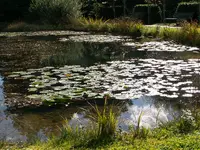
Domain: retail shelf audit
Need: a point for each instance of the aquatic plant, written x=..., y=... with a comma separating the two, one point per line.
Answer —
x=139, y=131
x=115, y=26
x=101, y=128
x=94, y=24
x=63, y=85
x=76, y=135
x=187, y=34
x=106, y=120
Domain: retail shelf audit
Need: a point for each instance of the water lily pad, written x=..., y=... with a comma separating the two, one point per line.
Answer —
x=46, y=91
x=13, y=75
x=34, y=96
x=62, y=99
x=28, y=76
x=32, y=89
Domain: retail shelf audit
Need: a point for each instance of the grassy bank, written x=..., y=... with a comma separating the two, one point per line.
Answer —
x=185, y=142
x=102, y=133
x=188, y=34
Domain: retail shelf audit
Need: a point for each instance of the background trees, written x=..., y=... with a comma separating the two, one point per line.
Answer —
x=19, y=9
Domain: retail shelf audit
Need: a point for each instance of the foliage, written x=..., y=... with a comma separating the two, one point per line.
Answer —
x=187, y=122
x=76, y=136
x=55, y=11
x=187, y=34
x=124, y=26
x=94, y=24
x=105, y=119
x=138, y=131
x=181, y=133
x=188, y=3
x=151, y=32
x=101, y=130
x=146, y=5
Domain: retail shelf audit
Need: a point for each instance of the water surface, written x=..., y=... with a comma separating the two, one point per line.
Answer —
x=153, y=77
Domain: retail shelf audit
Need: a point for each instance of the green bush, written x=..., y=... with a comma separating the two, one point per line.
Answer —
x=55, y=11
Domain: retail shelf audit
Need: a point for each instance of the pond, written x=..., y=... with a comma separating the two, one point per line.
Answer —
x=46, y=77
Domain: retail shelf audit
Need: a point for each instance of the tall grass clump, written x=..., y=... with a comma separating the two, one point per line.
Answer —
x=120, y=26
x=106, y=121
x=152, y=31
x=101, y=128
x=188, y=34
x=168, y=33
x=94, y=24
x=126, y=26
x=75, y=136
x=55, y=11
x=139, y=131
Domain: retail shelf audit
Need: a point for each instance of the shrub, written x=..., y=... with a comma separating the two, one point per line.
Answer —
x=55, y=11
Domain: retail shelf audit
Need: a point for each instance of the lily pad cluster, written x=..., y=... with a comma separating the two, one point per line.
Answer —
x=116, y=79
x=161, y=46
x=96, y=38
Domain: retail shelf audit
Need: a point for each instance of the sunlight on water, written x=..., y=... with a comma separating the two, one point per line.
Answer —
x=78, y=120
x=151, y=115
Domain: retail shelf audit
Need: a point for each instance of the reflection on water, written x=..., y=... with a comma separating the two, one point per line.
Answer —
x=165, y=76
x=1, y=94
x=84, y=54
x=151, y=114
x=7, y=130
x=44, y=122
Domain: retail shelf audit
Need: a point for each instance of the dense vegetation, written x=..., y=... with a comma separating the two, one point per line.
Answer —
x=55, y=11
x=11, y=10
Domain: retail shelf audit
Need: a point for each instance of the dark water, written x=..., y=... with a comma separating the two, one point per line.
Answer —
x=164, y=81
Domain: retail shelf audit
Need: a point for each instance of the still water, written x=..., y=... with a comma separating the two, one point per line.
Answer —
x=150, y=77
